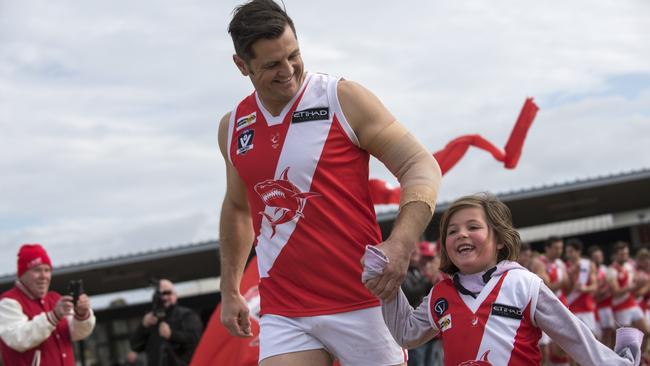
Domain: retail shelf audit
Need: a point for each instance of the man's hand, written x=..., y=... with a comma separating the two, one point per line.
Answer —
x=234, y=315
x=164, y=330
x=387, y=284
x=149, y=320
x=83, y=306
x=63, y=307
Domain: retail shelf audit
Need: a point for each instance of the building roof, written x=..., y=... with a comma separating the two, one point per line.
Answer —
x=583, y=204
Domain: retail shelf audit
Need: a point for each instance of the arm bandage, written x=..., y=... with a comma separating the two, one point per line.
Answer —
x=414, y=167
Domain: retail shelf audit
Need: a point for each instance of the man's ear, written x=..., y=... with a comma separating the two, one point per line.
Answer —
x=241, y=65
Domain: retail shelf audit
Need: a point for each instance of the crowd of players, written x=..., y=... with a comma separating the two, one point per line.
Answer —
x=603, y=296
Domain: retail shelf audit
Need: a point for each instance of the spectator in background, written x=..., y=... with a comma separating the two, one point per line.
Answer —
x=170, y=338
x=38, y=326
x=428, y=265
x=603, y=297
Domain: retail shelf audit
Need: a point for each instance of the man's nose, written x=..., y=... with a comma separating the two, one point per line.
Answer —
x=286, y=68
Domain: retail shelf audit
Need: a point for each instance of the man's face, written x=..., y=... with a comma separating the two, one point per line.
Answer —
x=524, y=257
x=597, y=257
x=277, y=70
x=37, y=280
x=554, y=251
x=167, y=293
x=622, y=255
x=572, y=254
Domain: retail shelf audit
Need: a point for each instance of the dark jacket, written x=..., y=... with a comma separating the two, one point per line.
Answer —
x=415, y=286
x=186, y=330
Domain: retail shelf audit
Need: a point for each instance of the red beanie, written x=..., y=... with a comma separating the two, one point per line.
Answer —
x=31, y=255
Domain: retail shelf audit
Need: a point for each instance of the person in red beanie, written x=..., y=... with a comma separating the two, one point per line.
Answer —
x=38, y=326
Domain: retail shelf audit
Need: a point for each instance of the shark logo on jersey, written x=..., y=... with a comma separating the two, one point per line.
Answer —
x=286, y=199
x=482, y=362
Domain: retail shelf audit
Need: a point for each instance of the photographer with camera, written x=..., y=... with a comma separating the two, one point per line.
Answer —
x=170, y=332
x=38, y=326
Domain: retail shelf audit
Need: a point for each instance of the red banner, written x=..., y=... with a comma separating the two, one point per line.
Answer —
x=381, y=193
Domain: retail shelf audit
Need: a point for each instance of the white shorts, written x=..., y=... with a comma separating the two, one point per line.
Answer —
x=355, y=338
x=589, y=318
x=627, y=316
x=606, y=318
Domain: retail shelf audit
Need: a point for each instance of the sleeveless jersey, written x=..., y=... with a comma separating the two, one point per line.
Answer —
x=625, y=277
x=604, y=287
x=307, y=186
x=556, y=272
x=496, y=328
x=581, y=302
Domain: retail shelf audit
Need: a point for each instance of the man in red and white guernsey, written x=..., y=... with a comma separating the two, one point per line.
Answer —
x=38, y=326
x=603, y=297
x=557, y=281
x=582, y=284
x=297, y=152
x=621, y=279
x=492, y=310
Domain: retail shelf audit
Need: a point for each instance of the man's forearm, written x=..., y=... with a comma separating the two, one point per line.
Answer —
x=236, y=239
x=411, y=222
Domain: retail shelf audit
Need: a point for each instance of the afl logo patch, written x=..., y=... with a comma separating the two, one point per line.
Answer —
x=245, y=141
x=441, y=305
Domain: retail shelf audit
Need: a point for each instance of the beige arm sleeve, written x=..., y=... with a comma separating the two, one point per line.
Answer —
x=415, y=168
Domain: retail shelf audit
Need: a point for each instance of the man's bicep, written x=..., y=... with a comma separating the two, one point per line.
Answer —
x=364, y=112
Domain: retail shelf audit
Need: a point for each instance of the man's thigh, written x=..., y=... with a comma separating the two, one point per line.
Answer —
x=316, y=357
x=355, y=338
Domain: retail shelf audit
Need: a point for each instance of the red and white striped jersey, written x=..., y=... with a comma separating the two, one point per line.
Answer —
x=625, y=277
x=495, y=328
x=581, y=302
x=556, y=271
x=307, y=186
x=604, y=287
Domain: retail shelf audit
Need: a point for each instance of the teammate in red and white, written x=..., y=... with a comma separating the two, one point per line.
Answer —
x=582, y=278
x=642, y=259
x=603, y=297
x=557, y=281
x=297, y=152
x=622, y=281
x=492, y=310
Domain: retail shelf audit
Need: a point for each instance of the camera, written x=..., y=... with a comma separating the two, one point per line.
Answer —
x=75, y=288
x=157, y=302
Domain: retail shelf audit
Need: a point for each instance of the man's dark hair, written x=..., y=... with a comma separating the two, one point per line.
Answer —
x=574, y=243
x=551, y=240
x=592, y=249
x=255, y=20
x=620, y=245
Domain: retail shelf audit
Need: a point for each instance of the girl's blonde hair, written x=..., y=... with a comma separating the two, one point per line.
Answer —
x=499, y=220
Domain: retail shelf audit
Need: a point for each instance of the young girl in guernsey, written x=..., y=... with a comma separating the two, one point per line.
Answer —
x=490, y=310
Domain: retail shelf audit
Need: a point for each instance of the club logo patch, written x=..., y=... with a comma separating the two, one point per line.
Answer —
x=245, y=141
x=507, y=311
x=441, y=305
x=286, y=200
x=445, y=322
x=311, y=114
x=246, y=121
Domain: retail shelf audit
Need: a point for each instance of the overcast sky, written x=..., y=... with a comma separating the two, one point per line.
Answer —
x=109, y=109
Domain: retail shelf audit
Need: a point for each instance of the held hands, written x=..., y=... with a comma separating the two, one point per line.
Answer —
x=149, y=320
x=386, y=285
x=234, y=315
x=164, y=330
x=83, y=306
x=63, y=307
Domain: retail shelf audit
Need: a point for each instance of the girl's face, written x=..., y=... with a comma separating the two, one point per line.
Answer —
x=470, y=242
